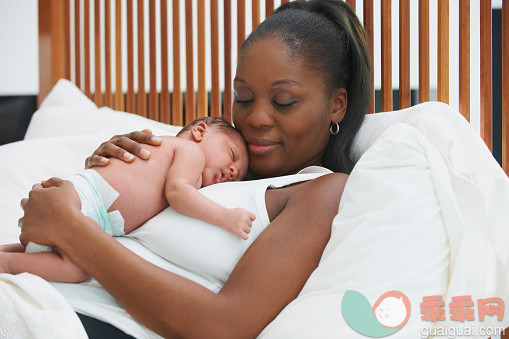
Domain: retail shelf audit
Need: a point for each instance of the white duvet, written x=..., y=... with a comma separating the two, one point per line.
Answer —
x=425, y=212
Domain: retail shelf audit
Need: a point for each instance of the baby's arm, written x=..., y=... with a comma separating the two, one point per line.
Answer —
x=182, y=183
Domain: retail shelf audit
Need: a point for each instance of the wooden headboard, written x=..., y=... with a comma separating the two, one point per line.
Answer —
x=61, y=27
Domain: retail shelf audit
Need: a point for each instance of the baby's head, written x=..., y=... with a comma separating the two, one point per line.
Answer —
x=226, y=157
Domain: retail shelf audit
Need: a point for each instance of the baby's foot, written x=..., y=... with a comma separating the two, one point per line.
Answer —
x=4, y=266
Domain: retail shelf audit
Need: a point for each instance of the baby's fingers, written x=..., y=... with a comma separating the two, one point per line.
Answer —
x=244, y=235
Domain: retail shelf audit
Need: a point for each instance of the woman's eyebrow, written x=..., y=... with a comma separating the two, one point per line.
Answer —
x=286, y=81
x=275, y=83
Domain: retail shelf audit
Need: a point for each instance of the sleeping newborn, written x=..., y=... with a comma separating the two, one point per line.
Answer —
x=122, y=196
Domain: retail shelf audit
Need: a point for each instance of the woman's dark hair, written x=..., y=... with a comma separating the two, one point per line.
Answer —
x=328, y=37
x=218, y=124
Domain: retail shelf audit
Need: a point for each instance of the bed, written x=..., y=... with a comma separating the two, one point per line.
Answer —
x=414, y=196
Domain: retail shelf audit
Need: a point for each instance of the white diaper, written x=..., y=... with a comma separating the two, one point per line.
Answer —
x=96, y=196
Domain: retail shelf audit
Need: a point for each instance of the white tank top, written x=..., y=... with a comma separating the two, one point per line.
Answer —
x=206, y=250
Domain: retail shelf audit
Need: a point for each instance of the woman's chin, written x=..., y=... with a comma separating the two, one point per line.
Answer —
x=259, y=166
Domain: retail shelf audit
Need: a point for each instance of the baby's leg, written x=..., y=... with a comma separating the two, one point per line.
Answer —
x=51, y=266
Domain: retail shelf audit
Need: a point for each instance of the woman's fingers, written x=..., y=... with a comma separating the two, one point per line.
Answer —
x=124, y=147
x=96, y=160
x=52, y=182
x=49, y=210
x=129, y=144
x=112, y=150
x=145, y=137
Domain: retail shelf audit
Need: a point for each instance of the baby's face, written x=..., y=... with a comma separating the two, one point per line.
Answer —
x=226, y=158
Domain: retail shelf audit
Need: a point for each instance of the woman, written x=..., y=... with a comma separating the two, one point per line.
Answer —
x=295, y=73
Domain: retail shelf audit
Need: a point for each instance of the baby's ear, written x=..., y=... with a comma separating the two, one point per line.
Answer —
x=198, y=131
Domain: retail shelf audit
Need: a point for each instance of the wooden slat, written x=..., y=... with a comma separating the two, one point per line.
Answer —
x=284, y=2
x=269, y=7
x=351, y=3
x=153, y=110
x=423, y=50
x=241, y=23
x=119, y=95
x=97, y=53
x=505, y=86
x=255, y=13
x=464, y=59
x=404, y=54
x=202, y=104
x=227, y=96
x=486, y=74
x=215, y=94
x=86, y=14
x=51, y=46
x=368, y=26
x=77, y=44
x=164, y=110
x=386, y=56
x=130, y=105
x=177, y=117
x=108, y=98
x=443, y=51
x=189, y=108
x=141, y=98
x=67, y=43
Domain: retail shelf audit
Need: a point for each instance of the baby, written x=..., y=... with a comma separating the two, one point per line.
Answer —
x=121, y=196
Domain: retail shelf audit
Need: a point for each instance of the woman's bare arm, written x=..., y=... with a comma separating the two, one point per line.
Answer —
x=269, y=275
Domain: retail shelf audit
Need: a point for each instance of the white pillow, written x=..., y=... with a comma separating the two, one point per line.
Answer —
x=67, y=111
x=389, y=235
x=25, y=163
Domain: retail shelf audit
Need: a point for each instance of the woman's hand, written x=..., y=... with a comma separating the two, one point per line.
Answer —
x=50, y=211
x=123, y=147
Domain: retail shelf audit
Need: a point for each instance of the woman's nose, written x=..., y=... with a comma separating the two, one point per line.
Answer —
x=260, y=116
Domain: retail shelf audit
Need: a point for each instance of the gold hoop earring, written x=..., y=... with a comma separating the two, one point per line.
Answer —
x=334, y=128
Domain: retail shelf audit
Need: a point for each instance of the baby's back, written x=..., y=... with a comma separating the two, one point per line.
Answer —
x=141, y=183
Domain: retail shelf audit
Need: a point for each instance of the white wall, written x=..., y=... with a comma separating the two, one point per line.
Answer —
x=19, y=41
x=19, y=45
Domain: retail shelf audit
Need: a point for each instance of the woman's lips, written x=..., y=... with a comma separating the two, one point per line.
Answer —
x=261, y=146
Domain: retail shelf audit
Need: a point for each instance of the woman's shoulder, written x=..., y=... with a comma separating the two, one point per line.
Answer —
x=323, y=192
x=324, y=188
x=334, y=179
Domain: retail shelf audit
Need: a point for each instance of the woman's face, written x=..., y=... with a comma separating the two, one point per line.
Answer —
x=281, y=109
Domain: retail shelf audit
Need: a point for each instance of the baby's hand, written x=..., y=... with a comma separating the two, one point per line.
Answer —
x=239, y=221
